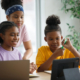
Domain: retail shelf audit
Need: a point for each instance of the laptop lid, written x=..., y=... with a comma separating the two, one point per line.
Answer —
x=14, y=70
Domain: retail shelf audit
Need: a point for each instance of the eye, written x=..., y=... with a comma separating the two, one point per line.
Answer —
x=15, y=16
x=57, y=38
x=50, y=39
x=22, y=17
x=17, y=34
x=12, y=35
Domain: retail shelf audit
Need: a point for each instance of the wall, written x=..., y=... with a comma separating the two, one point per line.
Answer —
x=49, y=7
x=54, y=7
x=2, y=14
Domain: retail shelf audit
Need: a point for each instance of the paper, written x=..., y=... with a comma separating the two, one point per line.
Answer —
x=33, y=75
x=48, y=71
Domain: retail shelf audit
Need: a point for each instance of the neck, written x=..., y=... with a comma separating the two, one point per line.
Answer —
x=8, y=48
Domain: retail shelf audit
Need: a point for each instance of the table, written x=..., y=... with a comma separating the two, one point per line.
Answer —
x=43, y=76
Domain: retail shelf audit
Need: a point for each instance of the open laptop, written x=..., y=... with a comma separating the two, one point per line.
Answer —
x=14, y=70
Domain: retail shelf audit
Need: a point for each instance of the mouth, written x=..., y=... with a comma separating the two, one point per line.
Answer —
x=54, y=46
x=19, y=24
x=15, y=42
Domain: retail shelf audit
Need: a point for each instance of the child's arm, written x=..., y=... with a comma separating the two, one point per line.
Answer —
x=75, y=52
x=69, y=46
x=47, y=64
x=29, y=50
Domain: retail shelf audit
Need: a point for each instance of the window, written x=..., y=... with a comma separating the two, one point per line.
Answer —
x=30, y=22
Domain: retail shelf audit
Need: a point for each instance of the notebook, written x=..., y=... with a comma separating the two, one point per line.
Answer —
x=14, y=70
x=48, y=71
x=33, y=75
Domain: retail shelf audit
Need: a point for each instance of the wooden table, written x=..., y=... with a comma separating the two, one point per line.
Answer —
x=43, y=76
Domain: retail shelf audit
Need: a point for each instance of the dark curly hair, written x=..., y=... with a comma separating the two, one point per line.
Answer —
x=5, y=4
x=52, y=22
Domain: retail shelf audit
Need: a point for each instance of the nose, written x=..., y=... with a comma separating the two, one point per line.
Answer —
x=54, y=41
x=16, y=37
x=19, y=19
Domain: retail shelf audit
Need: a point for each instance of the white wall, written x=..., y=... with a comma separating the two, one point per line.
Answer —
x=50, y=7
x=2, y=14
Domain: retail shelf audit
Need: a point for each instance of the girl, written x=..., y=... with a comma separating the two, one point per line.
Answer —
x=9, y=37
x=15, y=13
x=53, y=36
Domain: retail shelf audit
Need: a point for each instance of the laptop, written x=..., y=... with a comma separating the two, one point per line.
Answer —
x=14, y=70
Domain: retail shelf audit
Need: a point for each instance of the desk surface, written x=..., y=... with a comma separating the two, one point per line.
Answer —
x=43, y=76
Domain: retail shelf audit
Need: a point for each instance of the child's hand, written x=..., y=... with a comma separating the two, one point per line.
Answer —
x=58, y=52
x=68, y=44
x=33, y=67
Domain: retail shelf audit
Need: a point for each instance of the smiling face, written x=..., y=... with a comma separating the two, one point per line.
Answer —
x=54, y=40
x=17, y=17
x=10, y=38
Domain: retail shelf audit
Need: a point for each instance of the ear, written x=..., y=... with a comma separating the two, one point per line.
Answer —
x=61, y=37
x=2, y=36
x=7, y=17
x=45, y=39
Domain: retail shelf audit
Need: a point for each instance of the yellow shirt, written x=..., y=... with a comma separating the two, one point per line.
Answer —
x=44, y=53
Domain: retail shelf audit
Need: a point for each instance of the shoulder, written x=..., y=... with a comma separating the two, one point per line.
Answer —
x=0, y=47
x=16, y=51
x=44, y=48
x=1, y=53
x=1, y=50
x=44, y=51
x=23, y=27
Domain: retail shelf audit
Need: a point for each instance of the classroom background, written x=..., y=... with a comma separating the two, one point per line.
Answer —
x=35, y=14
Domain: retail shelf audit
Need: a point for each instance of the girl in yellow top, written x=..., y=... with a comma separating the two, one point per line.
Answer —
x=53, y=36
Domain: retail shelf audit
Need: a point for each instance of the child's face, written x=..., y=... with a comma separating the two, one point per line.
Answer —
x=11, y=37
x=17, y=17
x=54, y=40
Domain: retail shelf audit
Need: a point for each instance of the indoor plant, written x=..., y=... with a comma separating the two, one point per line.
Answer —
x=73, y=6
